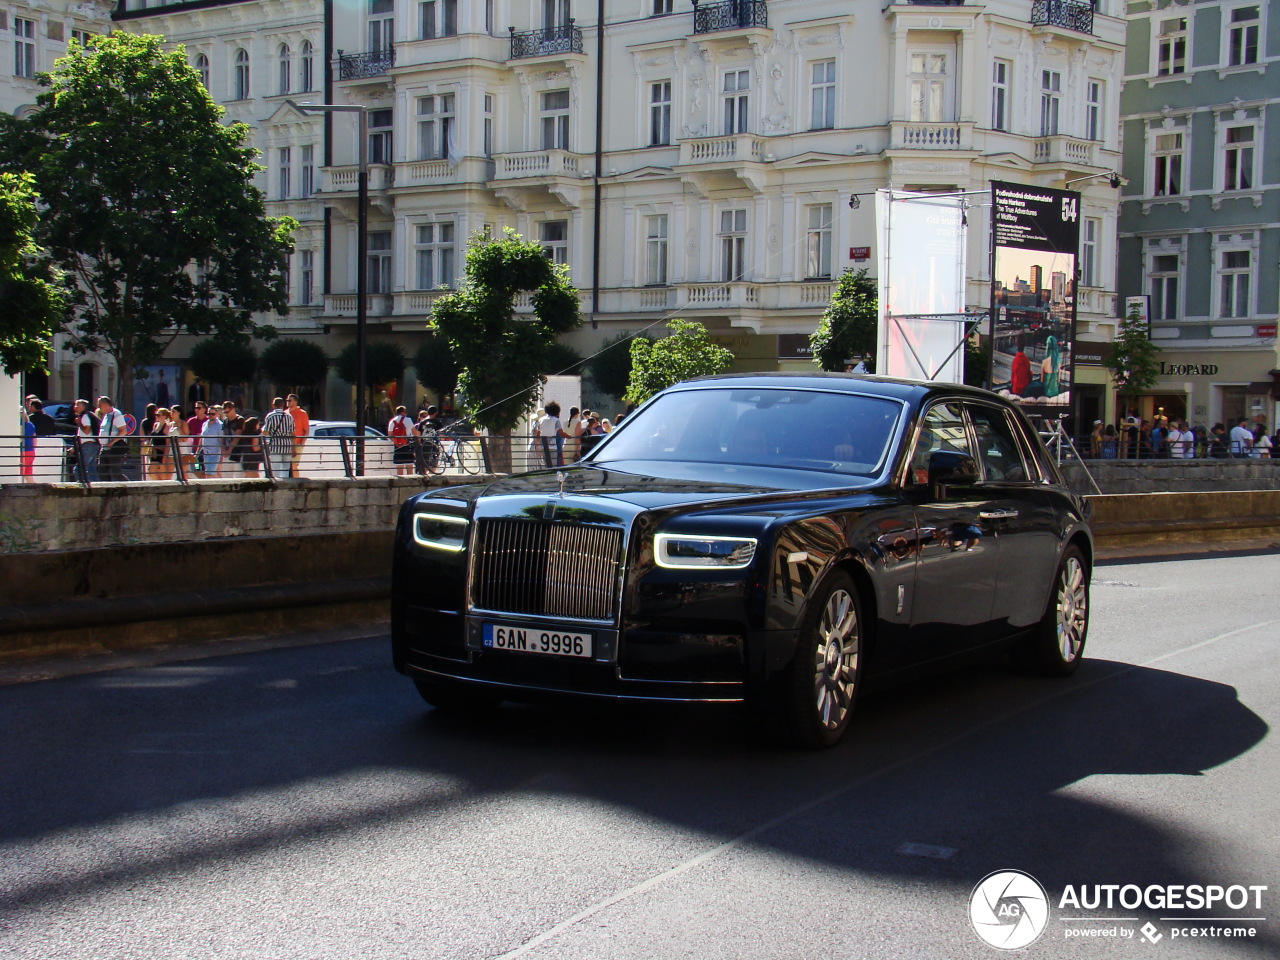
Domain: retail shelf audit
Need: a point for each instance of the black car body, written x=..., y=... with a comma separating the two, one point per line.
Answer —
x=738, y=536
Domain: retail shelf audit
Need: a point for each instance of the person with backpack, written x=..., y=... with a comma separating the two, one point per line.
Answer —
x=112, y=434
x=399, y=429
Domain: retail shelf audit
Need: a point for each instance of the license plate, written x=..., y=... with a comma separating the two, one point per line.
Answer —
x=536, y=640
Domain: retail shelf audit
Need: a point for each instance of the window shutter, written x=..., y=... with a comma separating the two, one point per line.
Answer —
x=55, y=31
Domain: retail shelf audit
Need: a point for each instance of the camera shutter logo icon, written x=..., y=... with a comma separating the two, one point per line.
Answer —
x=1009, y=909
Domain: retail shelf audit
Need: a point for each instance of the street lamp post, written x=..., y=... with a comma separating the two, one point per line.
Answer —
x=362, y=254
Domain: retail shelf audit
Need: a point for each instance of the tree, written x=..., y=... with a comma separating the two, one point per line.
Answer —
x=610, y=368
x=150, y=203
x=686, y=352
x=293, y=364
x=223, y=362
x=847, y=330
x=503, y=357
x=563, y=361
x=436, y=369
x=33, y=294
x=384, y=362
x=977, y=360
x=1135, y=360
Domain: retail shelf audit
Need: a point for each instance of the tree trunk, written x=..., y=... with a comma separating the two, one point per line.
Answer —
x=497, y=451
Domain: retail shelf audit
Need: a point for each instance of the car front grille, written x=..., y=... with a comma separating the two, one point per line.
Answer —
x=552, y=569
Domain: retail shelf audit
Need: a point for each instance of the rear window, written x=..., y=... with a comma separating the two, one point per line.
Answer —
x=806, y=429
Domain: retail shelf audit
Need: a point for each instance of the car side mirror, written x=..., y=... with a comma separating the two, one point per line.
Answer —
x=949, y=468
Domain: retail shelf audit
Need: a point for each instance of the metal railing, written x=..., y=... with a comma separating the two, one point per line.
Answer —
x=1063, y=13
x=729, y=15
x=374, y=63
x=545, y=42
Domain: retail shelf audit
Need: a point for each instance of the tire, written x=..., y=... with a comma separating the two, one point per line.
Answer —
x=433, y=456
x=1056, y=646
x=458, y=698
x=465, y=454
x=814, y=697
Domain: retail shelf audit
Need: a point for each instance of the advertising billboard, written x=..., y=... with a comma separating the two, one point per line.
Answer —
x=1036, y=234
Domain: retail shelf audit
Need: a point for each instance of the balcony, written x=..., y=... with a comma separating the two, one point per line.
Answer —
x=920, y=135
x=1067, y=14
x=739, y=147
x=345, y=179
x=360, y=66
x=548, y=42
x=1064, y=150
x=538, y=163
x=729, y=15
x=935, y=3
x=340, y=305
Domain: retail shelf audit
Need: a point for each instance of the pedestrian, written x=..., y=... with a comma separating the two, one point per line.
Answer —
x=301, y=429
x=551, y=436
x=112, y=431
x=1241, y=439
x=1095, y=441
x=400, y=430
x=148, y=424
x=277, y=428
x=27, y=447
x=1188, y=440
x=156, y=456
x=211, y=444
x=232, y=425
x=1159, y=436
x=251, y=447
x=1261, y=449
x=1218, y=442
x=45, y=425
x=195, y=427
x=1109, y=442
x=573, y=444
x=428, y=430
x=86, y=439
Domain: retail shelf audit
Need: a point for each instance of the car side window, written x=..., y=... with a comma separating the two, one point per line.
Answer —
x=997, y=445
x=941, y=428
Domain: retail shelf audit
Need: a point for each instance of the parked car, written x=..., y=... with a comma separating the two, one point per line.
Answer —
x=775, y=539
x=64, y=416
x=323, y=457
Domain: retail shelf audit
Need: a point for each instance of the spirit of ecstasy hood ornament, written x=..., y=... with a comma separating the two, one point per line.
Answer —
x=561, y=476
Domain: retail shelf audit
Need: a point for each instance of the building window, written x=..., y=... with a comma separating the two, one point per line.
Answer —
x=822, y=95
x=1171, y=47
x=818, y=243
x=436, y=128
x=202, y=68
x=308, y=175
x=554, y=237
x=555, y=13
x=379, y=136
x=307, y=258
x=242, y=75
x=488, y=17
x=736, y=94
x=1091, y=231
x=1050, y=101
x=1238, y=159
x=85, y=39
x=379, y=262
x=655, y=249
x=286, y=69
x=1093, y=110
x=308, y=78
x=24, y=48
x=661, y=7
x=1164, y=286
x=381, y=25
x=1168, y=165
x=437, y=18
x=1242, y=39
x=660, y=113
x=555, y=120
x=1000, y=73
x=435, y=253
x=929, y=86
x=733, y=245
x=285, y=155
x=1233, y=284
x=488, y=125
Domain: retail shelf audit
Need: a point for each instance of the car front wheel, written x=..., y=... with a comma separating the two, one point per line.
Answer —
x=1056, y=646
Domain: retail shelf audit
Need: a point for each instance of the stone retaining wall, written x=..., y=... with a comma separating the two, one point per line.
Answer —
x=1173, y=476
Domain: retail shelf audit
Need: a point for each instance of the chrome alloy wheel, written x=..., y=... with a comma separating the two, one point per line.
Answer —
x=836, y=659
x=1073, y=608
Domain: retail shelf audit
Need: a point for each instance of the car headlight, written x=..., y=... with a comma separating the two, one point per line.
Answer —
x=440, y=531
x=678, y=551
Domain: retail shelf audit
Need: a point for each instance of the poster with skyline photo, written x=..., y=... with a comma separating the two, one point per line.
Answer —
x=1036, y=233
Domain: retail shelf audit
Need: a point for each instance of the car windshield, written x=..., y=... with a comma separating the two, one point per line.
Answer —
x=808, y=429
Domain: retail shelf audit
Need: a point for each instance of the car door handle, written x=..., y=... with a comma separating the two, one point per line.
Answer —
x=998, y=514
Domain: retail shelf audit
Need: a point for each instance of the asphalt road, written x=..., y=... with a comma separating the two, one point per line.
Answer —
x=303, y=803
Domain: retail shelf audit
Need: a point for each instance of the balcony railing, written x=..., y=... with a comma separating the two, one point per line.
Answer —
x=346, y=179
x=930, y=136
x=1063, y=13
x=344, y=305
x=1064, y=150
x=743, y=146
x=539, y=163
x=730, y=15
x=546, y=42
x=357, y=66
x=936, y=3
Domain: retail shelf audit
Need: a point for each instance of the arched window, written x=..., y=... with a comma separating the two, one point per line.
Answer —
x=286, y=69
x=202, y=68
x=308, y=66
x=242, y=74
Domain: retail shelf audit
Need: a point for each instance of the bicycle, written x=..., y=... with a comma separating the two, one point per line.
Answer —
x=455, y=452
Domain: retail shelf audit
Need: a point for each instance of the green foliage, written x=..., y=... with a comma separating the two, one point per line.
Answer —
x=34, y=296
x=293, y=363
x=687, y=352
x=504, y=357
x=435, y=366
x=384, y=362
x=977, y=361
x=223, y=362
x=562, y=360
x=847, y=330
x=150, y=202
x=610, y=369
x=1135, y=360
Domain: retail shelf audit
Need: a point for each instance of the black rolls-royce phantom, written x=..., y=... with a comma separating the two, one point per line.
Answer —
x=772, y=539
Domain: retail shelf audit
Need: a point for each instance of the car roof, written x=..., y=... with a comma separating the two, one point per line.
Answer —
x=895, y=387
